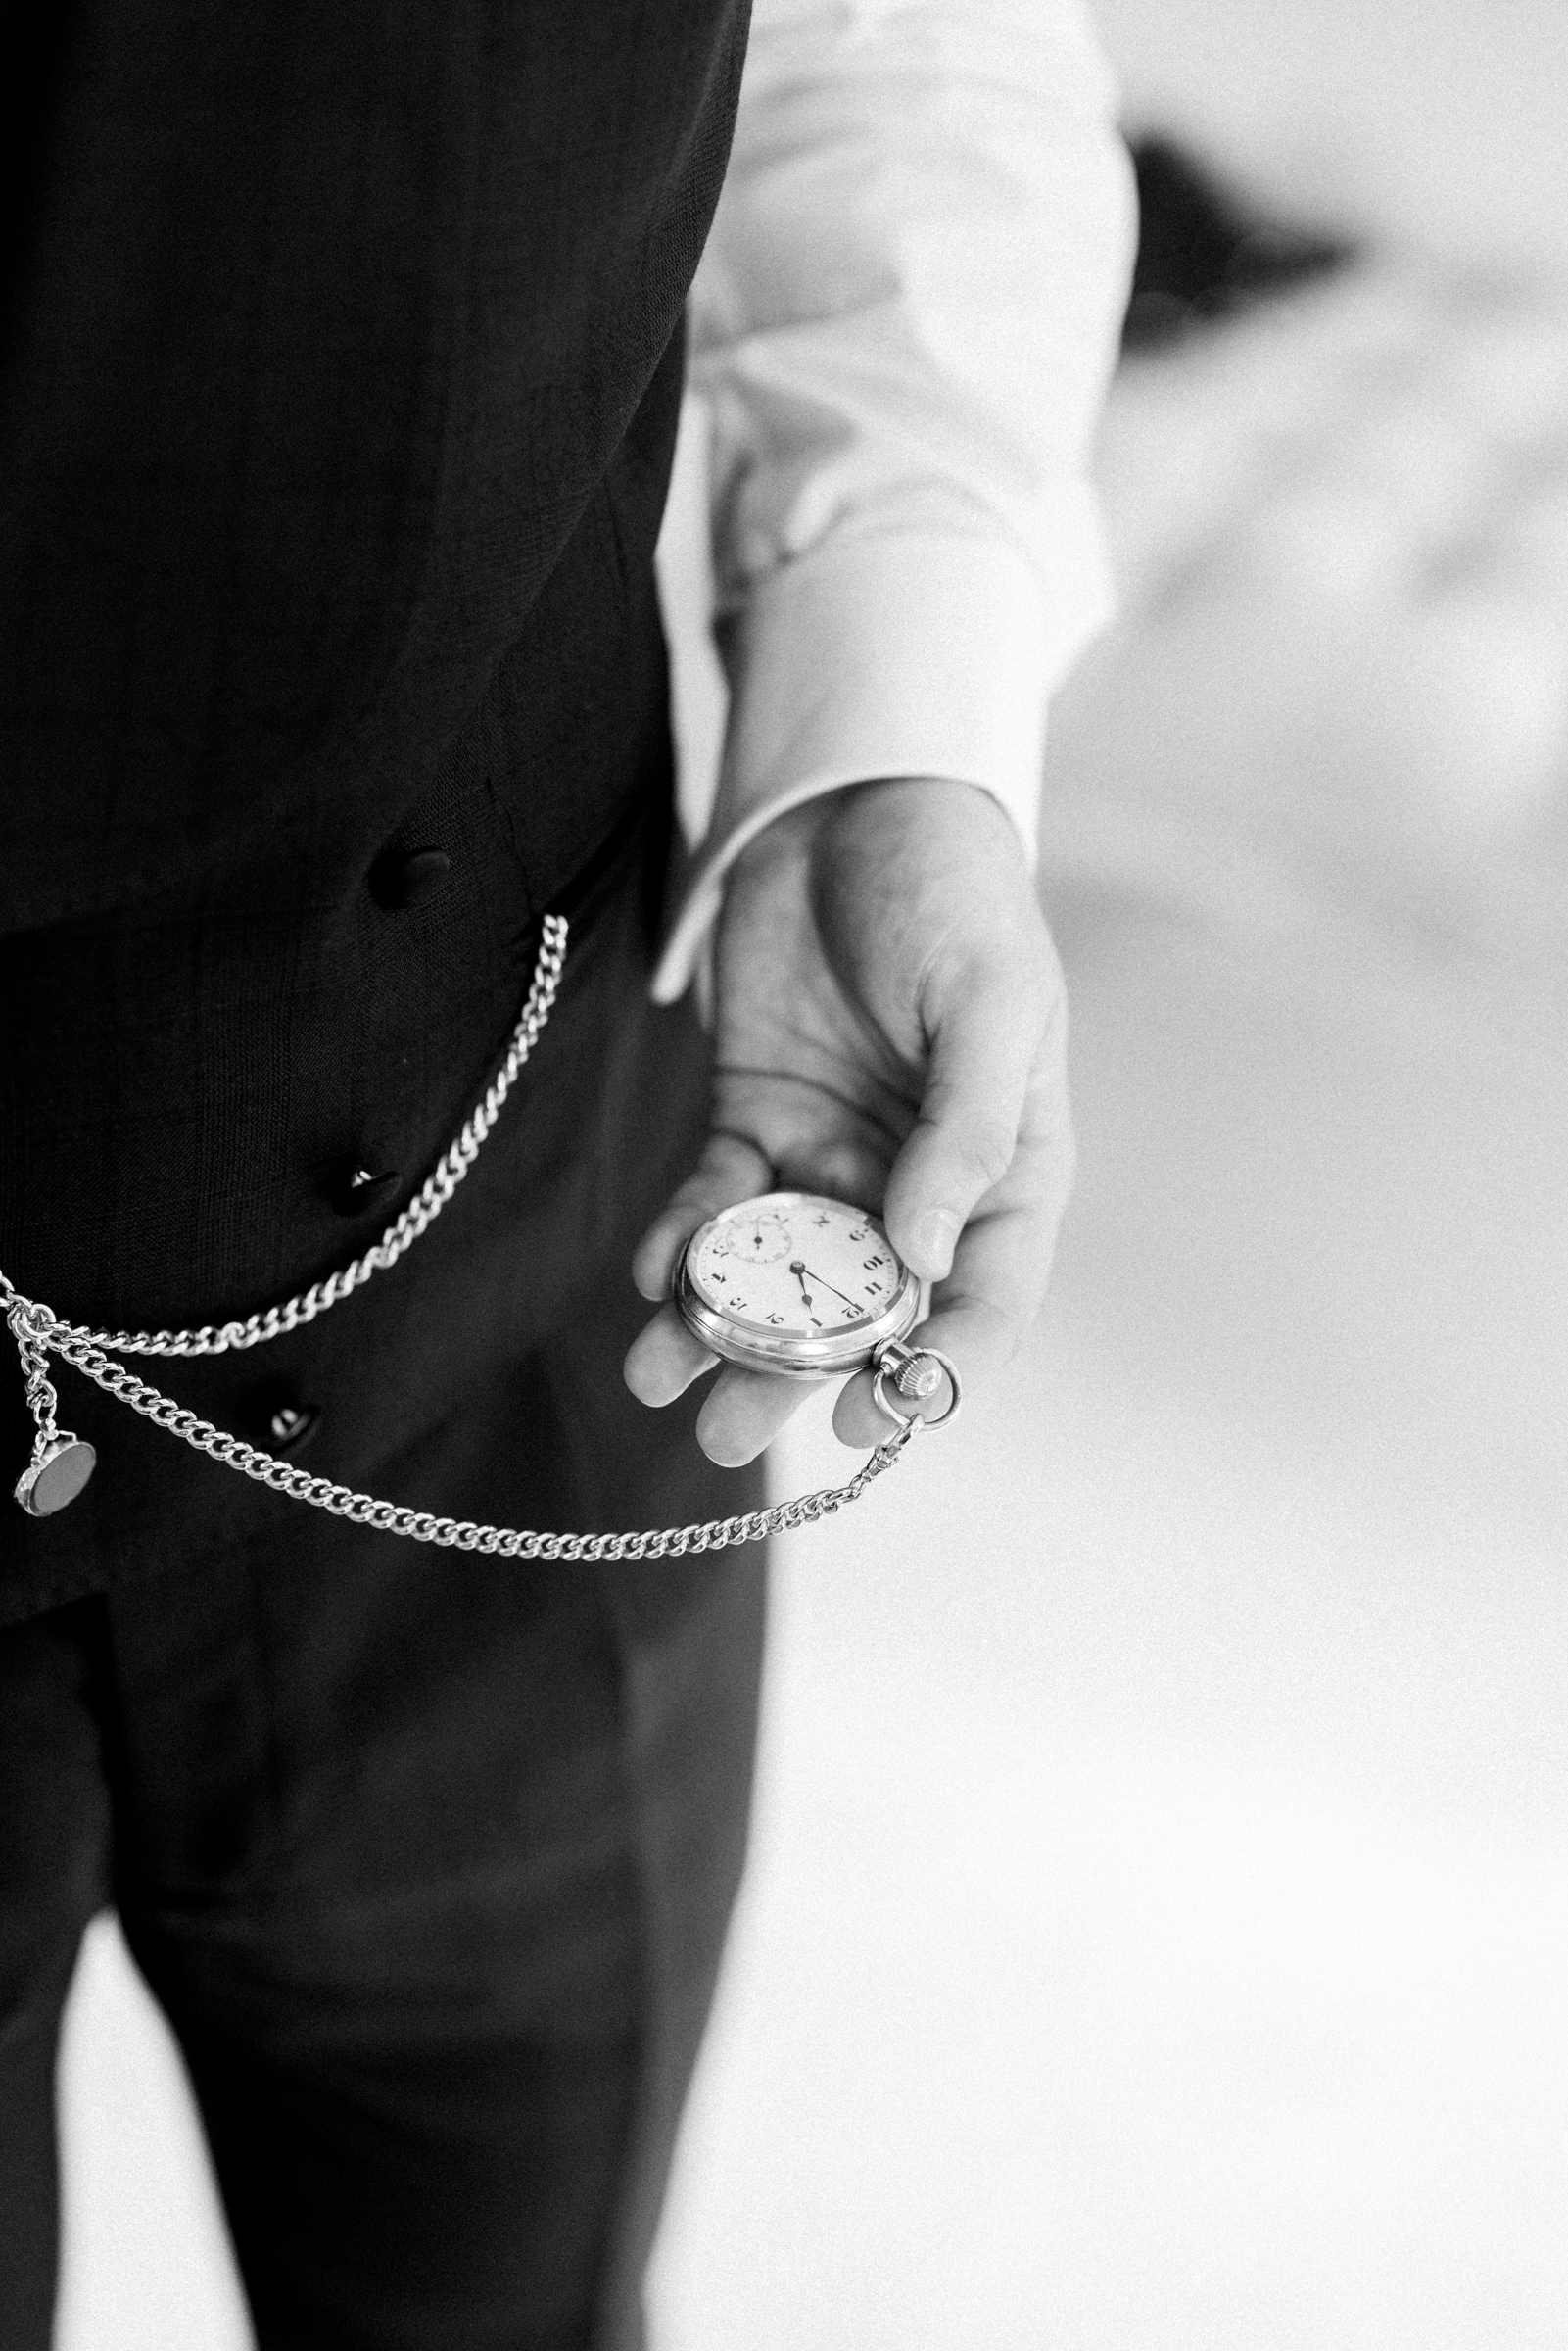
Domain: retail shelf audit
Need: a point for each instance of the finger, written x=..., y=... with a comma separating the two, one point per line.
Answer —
x=732, y=1168
x=664, y=1359
x=990, y=1042
x=981, y=1314
x=745, y=1413
x=858, y=1419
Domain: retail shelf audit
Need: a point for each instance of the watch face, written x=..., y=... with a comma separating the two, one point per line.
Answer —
x=793, y=1280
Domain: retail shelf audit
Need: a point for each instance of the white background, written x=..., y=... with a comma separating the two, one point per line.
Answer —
x=1157, y=1923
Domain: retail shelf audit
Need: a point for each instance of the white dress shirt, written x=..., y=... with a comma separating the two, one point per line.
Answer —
x=900, y=335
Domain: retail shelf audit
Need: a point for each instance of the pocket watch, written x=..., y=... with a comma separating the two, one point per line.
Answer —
x=809, y=1288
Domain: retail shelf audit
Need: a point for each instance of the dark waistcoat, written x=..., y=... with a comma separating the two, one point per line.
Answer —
x=341, y=378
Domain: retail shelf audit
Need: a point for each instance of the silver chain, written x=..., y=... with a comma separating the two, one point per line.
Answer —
x=458, y=1534
x=42, y=1402
x=39, y=1333
x=423, y=1209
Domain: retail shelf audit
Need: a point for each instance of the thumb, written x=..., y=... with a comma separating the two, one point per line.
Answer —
x=982, y=1054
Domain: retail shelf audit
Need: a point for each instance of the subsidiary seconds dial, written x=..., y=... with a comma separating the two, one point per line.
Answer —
x=797, y=1283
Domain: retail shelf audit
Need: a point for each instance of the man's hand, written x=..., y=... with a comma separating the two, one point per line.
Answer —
x=890, y=1027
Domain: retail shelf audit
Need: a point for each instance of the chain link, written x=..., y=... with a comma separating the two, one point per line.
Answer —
x=42, y=1402
x=38, y=1332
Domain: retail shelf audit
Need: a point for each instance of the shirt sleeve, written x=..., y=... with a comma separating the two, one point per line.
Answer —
x=901, y=332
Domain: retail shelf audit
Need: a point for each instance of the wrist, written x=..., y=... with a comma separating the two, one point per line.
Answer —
x=968, y=811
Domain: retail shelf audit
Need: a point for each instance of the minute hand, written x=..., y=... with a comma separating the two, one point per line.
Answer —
x=838, y=1293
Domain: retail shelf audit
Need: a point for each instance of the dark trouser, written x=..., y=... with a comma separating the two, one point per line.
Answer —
x=430, y=1870
x=427, y=1857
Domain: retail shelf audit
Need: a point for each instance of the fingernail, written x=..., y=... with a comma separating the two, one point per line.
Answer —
x=937, y=1238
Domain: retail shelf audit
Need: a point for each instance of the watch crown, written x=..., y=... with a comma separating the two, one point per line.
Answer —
x=920, y=1377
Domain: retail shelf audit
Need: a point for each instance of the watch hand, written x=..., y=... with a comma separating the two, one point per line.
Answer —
x=799, y=1273
x=827, y=1285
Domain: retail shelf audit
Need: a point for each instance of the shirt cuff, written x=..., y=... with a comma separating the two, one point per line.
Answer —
x=904, y=655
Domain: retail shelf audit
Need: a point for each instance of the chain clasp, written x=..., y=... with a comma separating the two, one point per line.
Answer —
x=916, y=1373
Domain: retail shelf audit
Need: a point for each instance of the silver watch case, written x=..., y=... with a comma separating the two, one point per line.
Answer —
x=789, y=1356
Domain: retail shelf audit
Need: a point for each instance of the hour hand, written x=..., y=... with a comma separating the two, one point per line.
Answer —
x=799, y=1272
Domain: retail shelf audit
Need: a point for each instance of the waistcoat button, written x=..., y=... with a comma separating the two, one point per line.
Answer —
x=404, y=878
x=358, y=1191
x=275, y=1417
x=291, y=1426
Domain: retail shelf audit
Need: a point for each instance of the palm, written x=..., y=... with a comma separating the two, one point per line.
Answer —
x=818, y=1048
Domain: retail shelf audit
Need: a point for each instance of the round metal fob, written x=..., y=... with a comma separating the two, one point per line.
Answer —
x=47, y=1485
